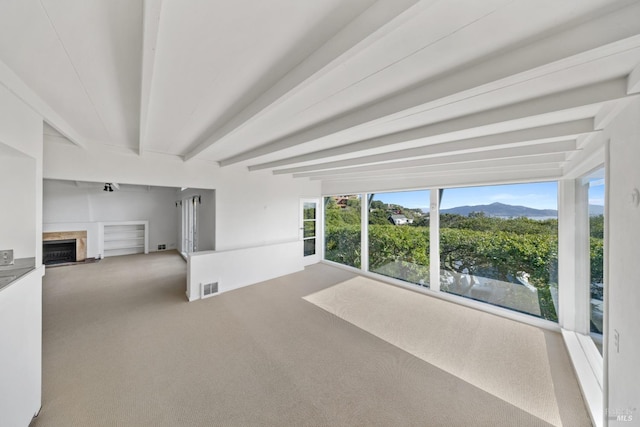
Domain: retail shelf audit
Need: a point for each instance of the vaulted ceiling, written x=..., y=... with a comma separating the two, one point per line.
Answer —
x=332, y=89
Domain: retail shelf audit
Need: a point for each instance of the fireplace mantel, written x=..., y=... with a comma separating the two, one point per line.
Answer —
x=79, y=236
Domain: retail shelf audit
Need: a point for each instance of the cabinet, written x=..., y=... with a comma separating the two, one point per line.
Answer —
x=124, y=238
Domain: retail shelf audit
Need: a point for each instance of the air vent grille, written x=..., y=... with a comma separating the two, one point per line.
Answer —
x=208, y=289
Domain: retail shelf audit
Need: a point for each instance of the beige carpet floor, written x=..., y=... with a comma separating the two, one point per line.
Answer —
x=122, y=347
x=507, y=359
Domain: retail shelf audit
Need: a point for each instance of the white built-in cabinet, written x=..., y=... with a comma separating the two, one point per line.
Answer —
x=124, y=238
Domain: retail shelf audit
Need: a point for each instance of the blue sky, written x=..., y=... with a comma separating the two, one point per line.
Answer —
x=542, y=195
x=408, y=199
x=596, y=192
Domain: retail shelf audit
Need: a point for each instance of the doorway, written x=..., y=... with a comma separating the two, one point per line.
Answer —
x=190, y=225
x=309, y=230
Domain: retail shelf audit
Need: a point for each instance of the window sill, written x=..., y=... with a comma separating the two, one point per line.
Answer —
x=587, y=364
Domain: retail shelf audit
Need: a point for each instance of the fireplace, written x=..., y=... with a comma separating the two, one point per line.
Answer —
x=60, y=247
x=58, y=251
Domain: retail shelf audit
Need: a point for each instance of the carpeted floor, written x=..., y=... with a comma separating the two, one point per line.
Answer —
x=122, y=347
x=505, y=358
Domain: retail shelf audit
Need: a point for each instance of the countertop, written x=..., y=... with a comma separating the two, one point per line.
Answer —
x=11, y=273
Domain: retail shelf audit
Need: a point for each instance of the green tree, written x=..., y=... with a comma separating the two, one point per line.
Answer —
x=596, y=226
x=378, y=217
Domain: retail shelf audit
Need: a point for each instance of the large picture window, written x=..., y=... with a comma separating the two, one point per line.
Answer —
x=399, y=235
x=342, y=216
x=495, y=244
x=499, y=244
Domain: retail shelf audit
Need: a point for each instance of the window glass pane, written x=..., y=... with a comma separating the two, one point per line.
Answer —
x=342, y=229
x=399, y=235
x=309, y=210
x=596, y=246
x=499, y=244
x=309, y=247
x=310, y=228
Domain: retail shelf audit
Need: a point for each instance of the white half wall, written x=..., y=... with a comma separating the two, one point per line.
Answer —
x=622, y=290
x=21, y=355
x=236, y=268
x=71, y=206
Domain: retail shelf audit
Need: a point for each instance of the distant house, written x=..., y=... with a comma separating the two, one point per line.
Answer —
x=399, y=220
x=343, y=201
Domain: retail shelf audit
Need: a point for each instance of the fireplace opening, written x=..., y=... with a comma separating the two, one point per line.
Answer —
x=58, y=251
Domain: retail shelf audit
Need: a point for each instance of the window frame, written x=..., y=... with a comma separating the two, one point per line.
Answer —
x=434, y=251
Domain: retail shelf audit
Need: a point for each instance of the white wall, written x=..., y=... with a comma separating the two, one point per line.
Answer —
x=21, y=302
x=252, y=209
x=258, y=208
x=18, y=212
x=71, y=206
x=622, y=298
x=21, y=139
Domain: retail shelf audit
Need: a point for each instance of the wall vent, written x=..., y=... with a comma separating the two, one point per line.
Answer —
x=208, y=289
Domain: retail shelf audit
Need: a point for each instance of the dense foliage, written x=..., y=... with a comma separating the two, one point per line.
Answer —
x=503, y=249
x=342, y=232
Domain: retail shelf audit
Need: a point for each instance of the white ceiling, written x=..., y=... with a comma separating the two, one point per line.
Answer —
x=332, y=89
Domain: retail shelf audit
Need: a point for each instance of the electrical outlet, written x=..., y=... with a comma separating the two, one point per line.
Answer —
x=6, y=257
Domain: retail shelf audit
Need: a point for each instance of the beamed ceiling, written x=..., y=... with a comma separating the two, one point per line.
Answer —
x=328, y=90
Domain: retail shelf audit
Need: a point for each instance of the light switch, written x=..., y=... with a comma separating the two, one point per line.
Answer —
x=6, y=257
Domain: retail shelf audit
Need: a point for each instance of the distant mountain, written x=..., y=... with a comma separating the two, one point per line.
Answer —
x=595, y=210
x=503, y=211
x=510, y=211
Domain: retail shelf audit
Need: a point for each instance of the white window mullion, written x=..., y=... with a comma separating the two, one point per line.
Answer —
x=434, y=240
x=364, y=232
x=573, y=256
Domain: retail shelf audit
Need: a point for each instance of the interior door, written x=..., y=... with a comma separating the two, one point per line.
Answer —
x=309, y=229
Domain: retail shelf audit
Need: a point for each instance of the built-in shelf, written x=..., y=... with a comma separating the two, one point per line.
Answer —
x=124, y=238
